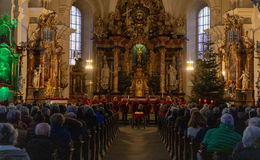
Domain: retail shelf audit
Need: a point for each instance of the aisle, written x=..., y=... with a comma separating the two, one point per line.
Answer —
x=137, y=144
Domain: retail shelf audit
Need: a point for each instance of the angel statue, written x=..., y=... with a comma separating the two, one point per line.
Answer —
x=105, y=75
x=172, y=76
x=139, y=55
x=36, y=77
x=245, y=80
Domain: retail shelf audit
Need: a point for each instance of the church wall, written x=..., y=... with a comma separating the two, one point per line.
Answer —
x=87, y=36
x=191, y=47
x=5, y=7
x=256, y=26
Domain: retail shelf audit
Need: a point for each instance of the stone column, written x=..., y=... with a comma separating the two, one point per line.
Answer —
x=181, y=71
x=162, y=52
x=42, y=63
x=250, y=69
x=238, y=70
x=30, y=69
x=116, y=52
x=99, y=66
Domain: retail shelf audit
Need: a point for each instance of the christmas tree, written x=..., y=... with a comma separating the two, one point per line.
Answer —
x=206, y=82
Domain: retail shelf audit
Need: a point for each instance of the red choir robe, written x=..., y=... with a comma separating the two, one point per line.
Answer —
x=115, y=105
x=124, y=106
x=134, y=104
x=157, y=105
x=86, y=101
x=169, y=102
x=103, y=100
x=147, y=107
x=95, y=101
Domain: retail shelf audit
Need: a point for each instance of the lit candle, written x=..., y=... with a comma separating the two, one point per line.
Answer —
x=205, y=101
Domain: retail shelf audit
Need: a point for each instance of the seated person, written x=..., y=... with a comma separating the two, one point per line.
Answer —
x=196, y=123
x=249, y=148
x=223, y=139
x=41, y=147
x=8, y=138
x=59, y=132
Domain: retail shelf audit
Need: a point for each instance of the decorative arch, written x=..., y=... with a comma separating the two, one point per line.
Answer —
x=203, y=23
x=75, y=38
x=191, y=30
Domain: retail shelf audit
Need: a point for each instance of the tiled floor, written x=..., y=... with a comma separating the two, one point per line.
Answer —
x=137, y=144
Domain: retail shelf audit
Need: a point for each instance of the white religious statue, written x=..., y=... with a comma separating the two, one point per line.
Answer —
x=36, y=77
x=220, y=47
x=247, y=42
x=172, y=76
x=245, y=80
x=105, y=74
x=20, y=84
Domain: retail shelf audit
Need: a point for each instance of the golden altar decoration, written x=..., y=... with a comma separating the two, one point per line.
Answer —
x=139, y=40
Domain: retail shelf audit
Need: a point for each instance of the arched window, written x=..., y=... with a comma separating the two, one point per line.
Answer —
x=75, y=38
x=203, y=24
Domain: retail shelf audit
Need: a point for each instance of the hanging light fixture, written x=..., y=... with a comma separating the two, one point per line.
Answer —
x=256, y=3
x=190, y=66
x=89, y=64
x=89, y=61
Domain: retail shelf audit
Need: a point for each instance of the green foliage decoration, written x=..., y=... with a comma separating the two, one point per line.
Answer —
x=206, y=84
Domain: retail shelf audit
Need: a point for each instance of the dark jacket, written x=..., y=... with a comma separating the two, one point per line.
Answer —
x=60, y=136
x=40, y=148
x=75, y=127
x=242, y=153
x=13, y=154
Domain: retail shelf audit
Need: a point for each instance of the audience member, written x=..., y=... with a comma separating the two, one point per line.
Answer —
x=8, y=138
x=41, y=147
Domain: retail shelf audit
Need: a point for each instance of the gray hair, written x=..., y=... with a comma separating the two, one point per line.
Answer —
x=251, y=134
x=46, y=111
x=57, y=119
x=71, y=108
x=2, y=109
x=42, y=129
x=8, y=134
x=227, y=119
x=71, y=115
x=225, y=111
x=24, y=110
x=13, y=116
x=11, y=107
x=254, y=122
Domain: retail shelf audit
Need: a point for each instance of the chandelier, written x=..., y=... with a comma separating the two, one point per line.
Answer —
x=257, y=4
x=89, y=64
x=190, y=66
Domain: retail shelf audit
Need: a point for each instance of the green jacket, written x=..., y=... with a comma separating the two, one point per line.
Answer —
x=222, y=139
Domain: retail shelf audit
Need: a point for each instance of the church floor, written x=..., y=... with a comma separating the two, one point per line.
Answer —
x=137, y=144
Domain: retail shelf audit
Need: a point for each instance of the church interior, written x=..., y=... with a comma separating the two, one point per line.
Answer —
x=144, y=63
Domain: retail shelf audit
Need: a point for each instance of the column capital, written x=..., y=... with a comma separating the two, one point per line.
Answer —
x=162, y=50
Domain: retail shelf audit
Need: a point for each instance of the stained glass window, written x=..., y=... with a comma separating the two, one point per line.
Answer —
x=75, y=38
x=203, y=24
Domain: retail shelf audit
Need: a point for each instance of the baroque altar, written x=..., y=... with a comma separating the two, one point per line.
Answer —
x=141, y=47
x=236, y=52
x=47, y=71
